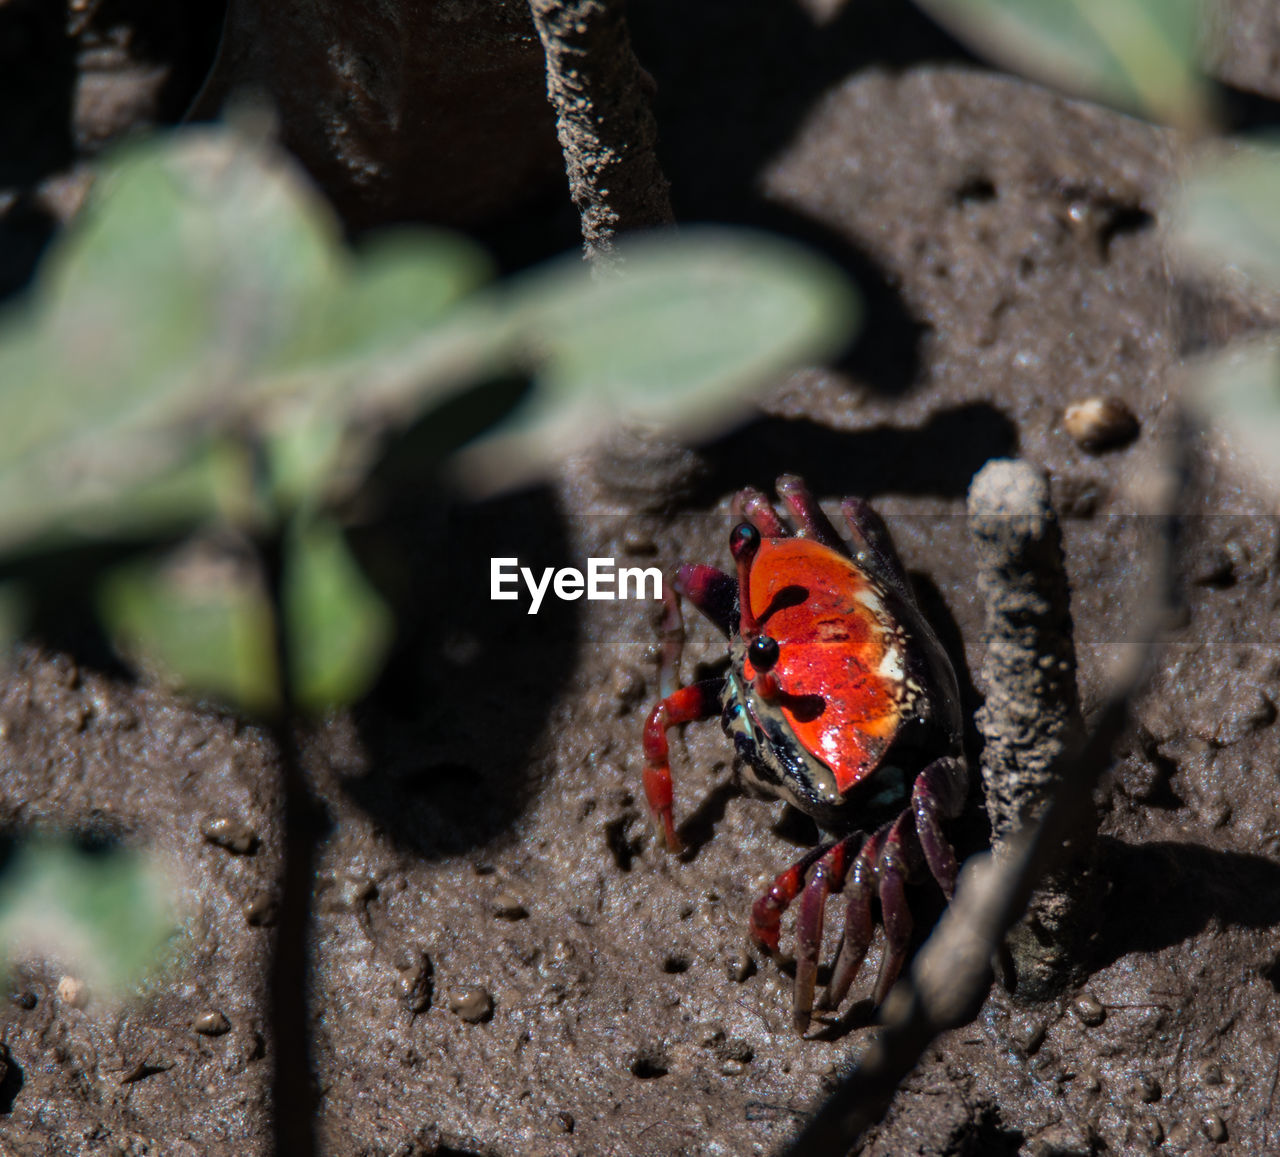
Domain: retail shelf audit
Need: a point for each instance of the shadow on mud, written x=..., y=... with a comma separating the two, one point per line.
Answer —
x=460, y=709
x=938, y=458
x=1165, y=892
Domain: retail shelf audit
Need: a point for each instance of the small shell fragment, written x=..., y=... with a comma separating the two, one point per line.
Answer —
x=211, y=1023
x=1100, y=423
x=234, y=835
x=73, y=991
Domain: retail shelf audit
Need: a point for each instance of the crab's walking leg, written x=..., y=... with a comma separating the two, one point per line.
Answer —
x=766, y=912
x=892, y=870
x=697, y=701
x=939, y=793
x=806, y=511
x=827, y=877
x=713, y=592
x=871, y=538
x=751, y=504
x=860, y=890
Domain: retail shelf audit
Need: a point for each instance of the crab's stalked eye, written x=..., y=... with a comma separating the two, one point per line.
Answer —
x=744, y=541
x=763, y=652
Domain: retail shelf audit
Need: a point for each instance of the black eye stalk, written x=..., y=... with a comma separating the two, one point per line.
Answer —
x=763, y=652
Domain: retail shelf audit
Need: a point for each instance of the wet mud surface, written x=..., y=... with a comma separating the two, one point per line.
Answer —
x=505, y=961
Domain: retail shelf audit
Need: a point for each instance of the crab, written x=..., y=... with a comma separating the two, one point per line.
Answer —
x=841, y=701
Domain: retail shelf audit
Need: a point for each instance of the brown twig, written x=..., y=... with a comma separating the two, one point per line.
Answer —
x=603, y=119
x=1031, y=719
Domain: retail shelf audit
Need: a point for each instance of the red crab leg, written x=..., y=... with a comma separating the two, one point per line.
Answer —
x=766, y=912
x=750, y=504
x=671, y=642
x=871, y=537
x=806, y=511
x=858, y=926
x=827, y=877
x=892, y=870
x=713, y=592
x=697, y=701
x=939, y=793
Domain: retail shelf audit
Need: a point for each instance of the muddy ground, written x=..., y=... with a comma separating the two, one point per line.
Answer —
x=504, y=961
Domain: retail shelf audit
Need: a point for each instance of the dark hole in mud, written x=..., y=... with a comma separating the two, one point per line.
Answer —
x=623, y=848
x=975, y=190
x=992, y=1138
x=1271, y=974
x=1123, y=220
x=674, y=965
x=12, y=1081
x=649, y=1063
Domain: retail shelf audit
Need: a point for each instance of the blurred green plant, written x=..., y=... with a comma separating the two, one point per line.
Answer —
x=202, y=350
x=1139, y=55
x=105, y=916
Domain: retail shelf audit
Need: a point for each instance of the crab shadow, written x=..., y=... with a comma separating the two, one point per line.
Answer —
x=1163, y=893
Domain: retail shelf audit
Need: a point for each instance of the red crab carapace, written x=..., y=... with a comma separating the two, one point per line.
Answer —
x=841, y=701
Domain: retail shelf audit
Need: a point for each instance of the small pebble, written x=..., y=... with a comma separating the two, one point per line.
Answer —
x=417, y=985
x=211, y=1023
x=1146, y=1088
x=234, y=835
x=73, y=991
x=1030, y=1036
x=628, y=685
x=472, y=1004
x=508, y=907
x=1089, y=1010
x=261, y=910
x=1100, y=423
x=733, y=1068
x=1213, y=1127
x=1211, y=1073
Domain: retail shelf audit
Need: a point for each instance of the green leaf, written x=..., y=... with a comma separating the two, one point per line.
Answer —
x=1223, y=214
x=685, y=335
x=199, y=619
x=1237, y=391
x=203, y=290
x=1140, y=55
x=339, y=628
x=106, y=915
